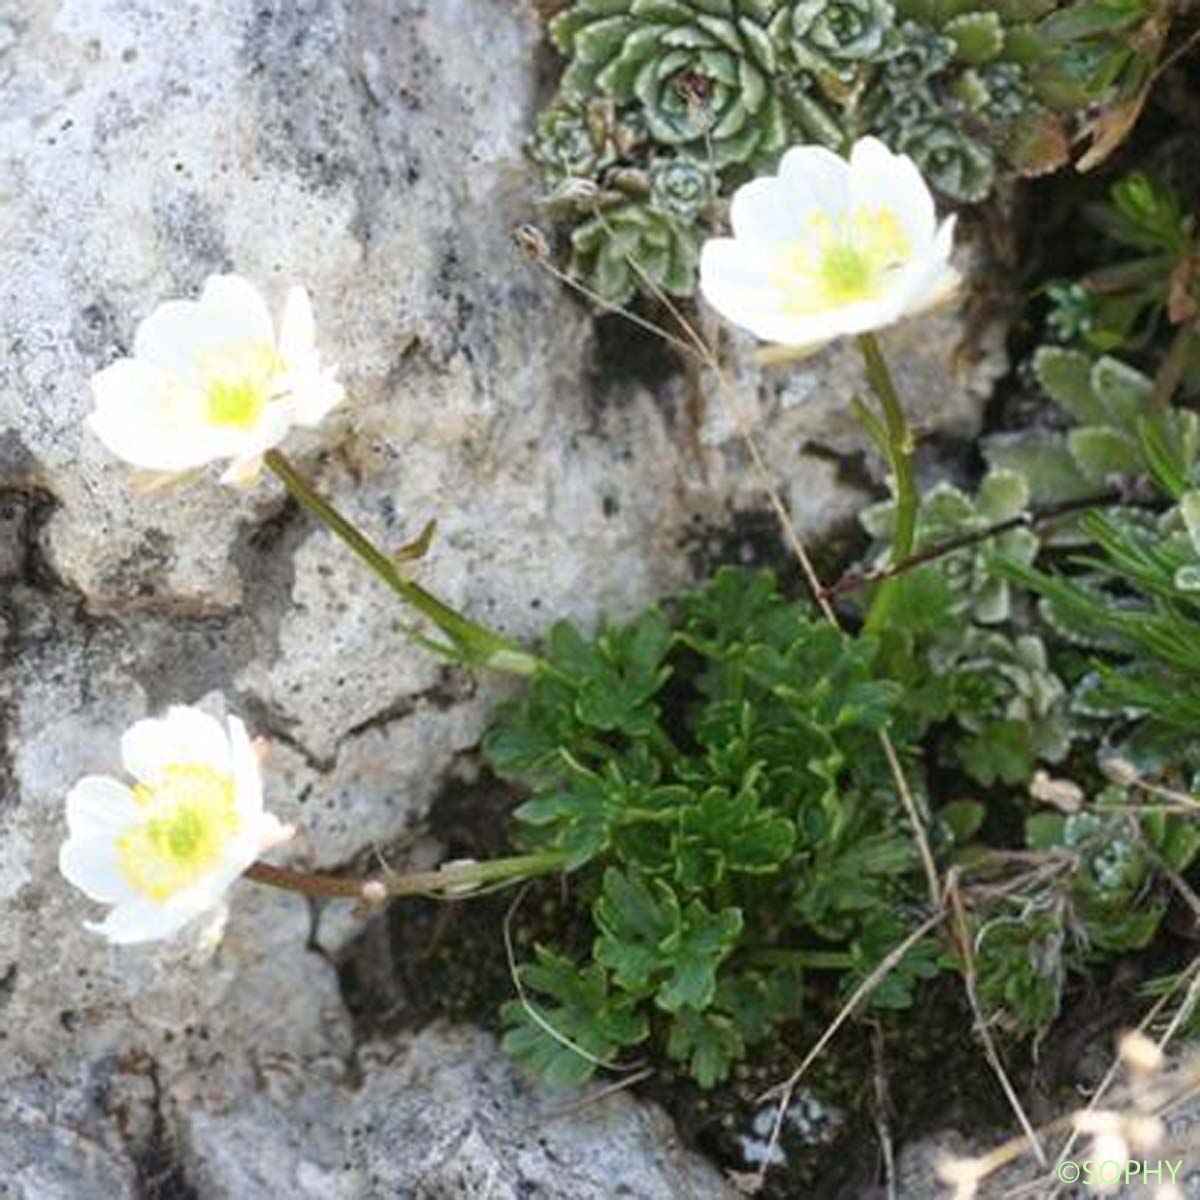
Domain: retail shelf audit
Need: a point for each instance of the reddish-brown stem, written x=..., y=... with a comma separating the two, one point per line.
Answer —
x=301, y=881
x=851, y=583
x=450, y=877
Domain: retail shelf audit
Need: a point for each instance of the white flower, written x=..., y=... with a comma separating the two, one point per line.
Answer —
x=210, y=380
x=829, y=247
x=165, y=850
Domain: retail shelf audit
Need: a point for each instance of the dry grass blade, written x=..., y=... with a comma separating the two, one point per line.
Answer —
x=787, y=1088
x=914, y=818
x=596, y=1097
x=967, y=950
x=1192, y=977
x=533, y=244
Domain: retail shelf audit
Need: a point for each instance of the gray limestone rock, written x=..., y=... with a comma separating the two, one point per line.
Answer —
x=438, y=1117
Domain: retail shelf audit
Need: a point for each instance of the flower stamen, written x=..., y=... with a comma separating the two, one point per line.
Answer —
x=237, y=403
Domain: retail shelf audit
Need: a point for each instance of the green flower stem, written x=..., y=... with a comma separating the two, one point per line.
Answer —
x=899, y=447
x=472, y=643
x=448, y=878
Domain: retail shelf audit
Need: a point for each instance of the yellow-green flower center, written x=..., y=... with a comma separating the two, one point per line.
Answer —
x=191, y=815
x=237, y=403
x=835, y=264
x=845, y=273
x=238, y=385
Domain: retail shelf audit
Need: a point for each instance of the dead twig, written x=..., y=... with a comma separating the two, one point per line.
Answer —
x=882, y=1107
x=852, y=582
x=787, y=1088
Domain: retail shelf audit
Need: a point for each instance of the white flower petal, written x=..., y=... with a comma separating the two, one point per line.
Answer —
x=91, y=865
x=870, y=314
x=99, y=806
x=817, y=178
x=297, y=331
x=144, y=417
x=943, y=241
x=248, y=446
x=927, y=281
x=939, y=292
x=139, y=919
x=269, y=832
x=181, y=336
x=142, y=921
x=736, y=278
x=814, y=329
x=196, y=737
x=184, y=735
x=100, y=811
x=142, y=750
x=880, y=179
x=242, y=472
x=735, y=282
x=247, y=774
x=245, y=849
x=209, y=892
x=765, y=212
x=171, y=337
x=253, y=444
x=786, y=329
x=242, y=305
x=314, y=394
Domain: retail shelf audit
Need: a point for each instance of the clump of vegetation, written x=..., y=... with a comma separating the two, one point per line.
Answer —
x=716, y=784
x=1148, y=282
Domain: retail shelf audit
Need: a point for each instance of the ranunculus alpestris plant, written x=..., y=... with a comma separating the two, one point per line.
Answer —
x=210, y=379
x=165, y=850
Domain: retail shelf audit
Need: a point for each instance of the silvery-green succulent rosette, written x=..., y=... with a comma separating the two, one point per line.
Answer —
x=665, y=106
